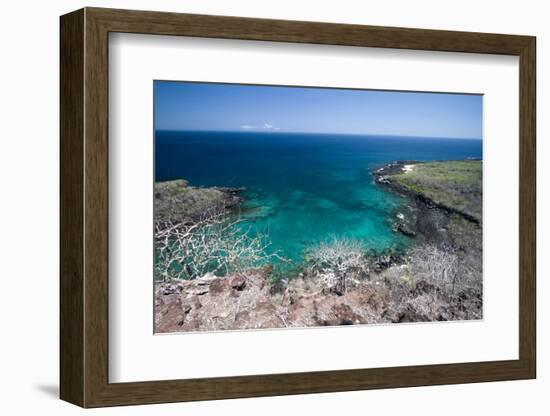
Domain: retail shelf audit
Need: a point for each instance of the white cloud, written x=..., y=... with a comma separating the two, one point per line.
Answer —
x=271, y=127
x=265, y=126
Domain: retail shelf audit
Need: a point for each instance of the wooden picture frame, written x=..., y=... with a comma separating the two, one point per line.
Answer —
x=84, y=207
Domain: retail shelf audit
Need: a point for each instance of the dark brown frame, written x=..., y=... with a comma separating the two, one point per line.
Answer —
x=84, y=208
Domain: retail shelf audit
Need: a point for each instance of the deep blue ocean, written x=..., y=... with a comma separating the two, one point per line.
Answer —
x=304, y=188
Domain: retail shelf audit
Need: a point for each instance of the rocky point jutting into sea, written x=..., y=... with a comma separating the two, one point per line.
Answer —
x=340, y=282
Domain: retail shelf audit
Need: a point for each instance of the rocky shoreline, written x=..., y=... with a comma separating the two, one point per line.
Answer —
x=423, y=215
x=178, y=202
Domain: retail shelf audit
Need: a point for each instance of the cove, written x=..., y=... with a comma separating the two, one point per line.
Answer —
x=302, y=189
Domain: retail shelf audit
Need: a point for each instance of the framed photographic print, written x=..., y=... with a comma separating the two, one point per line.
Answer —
x=255, y=207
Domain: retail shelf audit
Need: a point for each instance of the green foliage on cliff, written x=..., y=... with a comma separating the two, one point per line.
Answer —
x=454, y=184
x=176, y=201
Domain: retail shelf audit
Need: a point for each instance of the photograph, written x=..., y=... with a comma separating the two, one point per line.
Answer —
x=296, y=206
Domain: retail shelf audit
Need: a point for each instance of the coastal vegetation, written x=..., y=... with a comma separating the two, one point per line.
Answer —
x=213, y=273
x=456, y=185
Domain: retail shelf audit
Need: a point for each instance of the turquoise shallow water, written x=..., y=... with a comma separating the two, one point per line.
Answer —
x=304, y=188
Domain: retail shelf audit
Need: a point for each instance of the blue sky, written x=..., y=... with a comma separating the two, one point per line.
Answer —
x=235, y=107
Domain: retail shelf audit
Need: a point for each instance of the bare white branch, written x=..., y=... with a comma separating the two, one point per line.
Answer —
x=214, y=244
x=337, y=262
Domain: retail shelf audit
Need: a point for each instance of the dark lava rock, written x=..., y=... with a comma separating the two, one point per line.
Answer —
x=405, y=229
x=237, y=282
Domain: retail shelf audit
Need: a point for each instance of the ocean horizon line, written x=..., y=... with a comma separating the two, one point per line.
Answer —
x=273, y=133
